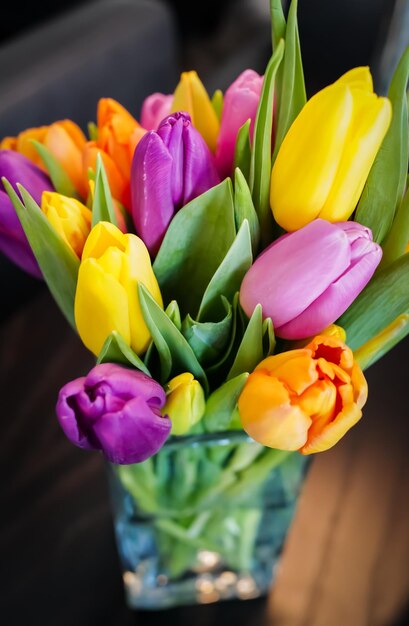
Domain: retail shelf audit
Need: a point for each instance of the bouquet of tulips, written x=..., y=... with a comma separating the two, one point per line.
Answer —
x=233, y=262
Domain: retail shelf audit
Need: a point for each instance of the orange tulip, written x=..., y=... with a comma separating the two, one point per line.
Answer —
x=64, y=139
x=304, y=399
x=118, y=135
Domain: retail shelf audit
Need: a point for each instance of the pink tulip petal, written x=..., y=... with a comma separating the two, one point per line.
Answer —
x=154, y=109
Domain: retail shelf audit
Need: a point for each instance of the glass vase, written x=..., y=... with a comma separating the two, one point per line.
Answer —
x=203, y=520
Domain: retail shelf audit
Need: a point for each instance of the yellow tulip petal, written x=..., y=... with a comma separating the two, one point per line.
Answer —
x=370, y=122
x=102, y=236
x=69, y=217
x=191, y=96
x=309, y=157
x=333, y=432
x=101, y=306
x=358, y=77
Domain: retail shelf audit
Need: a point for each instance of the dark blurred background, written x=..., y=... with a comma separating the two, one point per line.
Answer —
x=56, y=541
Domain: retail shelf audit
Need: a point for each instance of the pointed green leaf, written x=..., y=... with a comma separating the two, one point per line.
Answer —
x=217, y=103
x=269, y=340
x=278, y=24
x=250, y=351
x=173, y=313
x=217, y=371
x=208, y=340
x=385, y=185
x=290, y=92
x=260, y=166
x=116, y=350
x=175, y=354
x=195, y=244
x=221, y=404
x=397, y=240
x=244, y=209
x=57, y=261
x=228, y=277
x=379, y=304
x=59, y=177
x=242, y=152
x=102, y=207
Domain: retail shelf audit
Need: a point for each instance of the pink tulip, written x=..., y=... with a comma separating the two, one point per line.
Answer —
x=154, y=109
x=306, y=279
x=240, y=104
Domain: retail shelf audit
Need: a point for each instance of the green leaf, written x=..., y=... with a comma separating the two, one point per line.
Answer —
x=242, y=152
x=217, y=371
x=291, y=95
x=173, y=313
x=244, y=209
x=57, y=261
x=93, y=131
x=59, y=177
x=278, y=24
x=260, y=166
x=228, y=277
x=116, y=350
x=176, y=356
x=102, y=207
x=385, y=185
x=250, y=351
x=196, y=242
x=217, y=103
x=208, y=340
x=269, y=340
x=397, y=240
x=378, y=346
x=221, y=404
x=378, y=305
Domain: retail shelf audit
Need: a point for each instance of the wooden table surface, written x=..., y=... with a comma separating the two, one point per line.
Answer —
x=346, y=561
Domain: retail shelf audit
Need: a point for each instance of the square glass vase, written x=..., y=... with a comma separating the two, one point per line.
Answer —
x=203, y=520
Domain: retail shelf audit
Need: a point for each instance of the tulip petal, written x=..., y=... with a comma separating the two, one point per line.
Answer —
x=154, y=109
x=152, y=204
x=333, y=432
x=309, y=157
x=335, y=299
x=200, y=172
x=294, y=271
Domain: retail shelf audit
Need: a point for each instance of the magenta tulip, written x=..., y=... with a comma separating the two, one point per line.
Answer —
x=154, y=109
x=115, y=410
x=306, y=279
x=16, y=168
x=240, y=104
x=171, y=166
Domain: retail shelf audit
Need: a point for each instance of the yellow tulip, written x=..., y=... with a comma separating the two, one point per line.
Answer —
x=70, y=218
x=326, y=156
x=107, y=299
x=185, y=404
x=305, y=399
x=191, y=96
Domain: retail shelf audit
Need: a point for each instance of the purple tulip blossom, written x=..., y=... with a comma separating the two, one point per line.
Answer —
x=240, y=104
x=171, y=166
x=306, y=279
x=115, y=410
x=154, y=109
x=16, y=168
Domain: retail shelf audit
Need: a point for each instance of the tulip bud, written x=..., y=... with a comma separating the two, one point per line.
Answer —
x=70, y=218
x=154, y=109
x=305, y=280
x=107, y=296
x=240, y=104
x=13, y=241
x=304, y=399
x=191, y=96
x=326, y=156
x=64, y=139
x=115, y=410
x=118, y=135
x=185, y=403
x=171, y=167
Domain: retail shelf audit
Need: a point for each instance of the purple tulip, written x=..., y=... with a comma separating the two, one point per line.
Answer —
x=115, y=410
x=154, y=109
x=170, y=167
x=306, y=279
x=13, y=241
x=240, y=104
